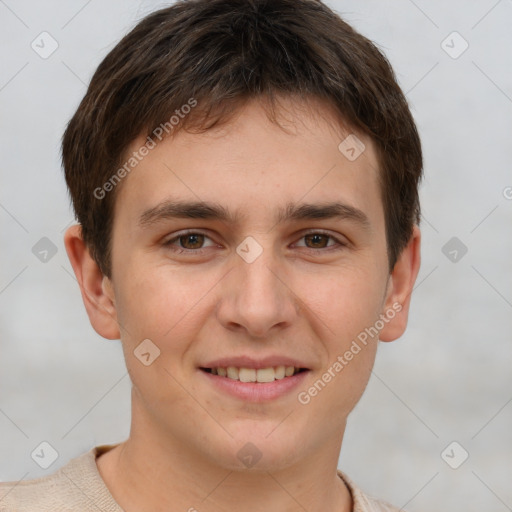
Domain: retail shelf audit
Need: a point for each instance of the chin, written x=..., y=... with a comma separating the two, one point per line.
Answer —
x=260, y=448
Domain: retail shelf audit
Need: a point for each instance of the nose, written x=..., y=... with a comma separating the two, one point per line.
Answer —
x=257, y=298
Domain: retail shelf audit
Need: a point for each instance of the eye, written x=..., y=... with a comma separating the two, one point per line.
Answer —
x=320, y=240
x=189, y=241
x=193, y=242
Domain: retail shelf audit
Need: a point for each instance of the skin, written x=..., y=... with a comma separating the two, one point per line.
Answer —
x=296, y=299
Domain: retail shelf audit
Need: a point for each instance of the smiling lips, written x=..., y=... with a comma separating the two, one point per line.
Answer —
x=250, y=384
x=244, y=374
x=248, y=369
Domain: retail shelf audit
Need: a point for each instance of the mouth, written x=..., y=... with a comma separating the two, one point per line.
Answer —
x=256, y=385
x=255, y=375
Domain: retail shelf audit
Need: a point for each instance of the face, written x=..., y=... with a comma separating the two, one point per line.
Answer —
x=269, y=283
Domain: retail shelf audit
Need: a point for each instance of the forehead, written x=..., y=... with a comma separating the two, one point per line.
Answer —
x=250, y=162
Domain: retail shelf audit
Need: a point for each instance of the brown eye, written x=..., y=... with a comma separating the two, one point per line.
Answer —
x=318, y=240
x=191, y=241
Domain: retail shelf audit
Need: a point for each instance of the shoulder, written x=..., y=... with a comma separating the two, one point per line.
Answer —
x=28, y=495
x=364, y=502
x=75, y=486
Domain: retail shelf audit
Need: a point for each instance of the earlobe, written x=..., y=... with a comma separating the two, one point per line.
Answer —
x=401, y=284
x=96, y=289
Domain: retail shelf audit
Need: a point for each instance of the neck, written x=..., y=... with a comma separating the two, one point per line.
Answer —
x=152, y=471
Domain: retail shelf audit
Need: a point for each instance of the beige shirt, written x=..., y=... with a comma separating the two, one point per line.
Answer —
x=78, y=486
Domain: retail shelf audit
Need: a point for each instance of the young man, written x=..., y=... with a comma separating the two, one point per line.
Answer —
x=244, y=174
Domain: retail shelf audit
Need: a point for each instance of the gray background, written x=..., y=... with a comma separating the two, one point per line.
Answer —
x=447, y=379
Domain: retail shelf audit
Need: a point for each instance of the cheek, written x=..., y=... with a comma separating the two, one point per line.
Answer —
x=346, y=300
x=159, y=303
x=348, y=304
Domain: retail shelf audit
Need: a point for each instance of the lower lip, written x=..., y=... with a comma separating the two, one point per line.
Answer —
x=256, y=391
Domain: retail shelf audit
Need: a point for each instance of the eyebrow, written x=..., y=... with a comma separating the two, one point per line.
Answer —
x=174, y=209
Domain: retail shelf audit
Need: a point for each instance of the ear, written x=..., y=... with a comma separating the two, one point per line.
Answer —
x=400, y=286
x=97, y=290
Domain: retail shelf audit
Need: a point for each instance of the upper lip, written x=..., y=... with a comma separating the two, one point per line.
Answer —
x=251, y=362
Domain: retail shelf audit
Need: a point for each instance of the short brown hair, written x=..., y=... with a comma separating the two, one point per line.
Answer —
x=222, y=53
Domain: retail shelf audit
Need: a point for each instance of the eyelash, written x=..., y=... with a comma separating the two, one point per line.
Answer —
x=180, y=250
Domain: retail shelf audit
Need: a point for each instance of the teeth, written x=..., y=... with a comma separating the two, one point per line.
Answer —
x=280, y=372
x=232, y=372
x=252, y=375
x=247, y=375
x=265, y=375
